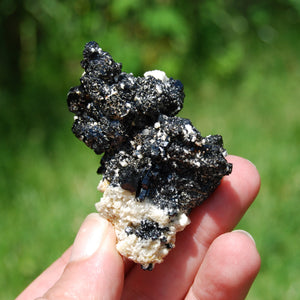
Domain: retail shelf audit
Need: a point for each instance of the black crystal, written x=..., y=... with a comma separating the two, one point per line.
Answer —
x=147, y=149
x=148, y=229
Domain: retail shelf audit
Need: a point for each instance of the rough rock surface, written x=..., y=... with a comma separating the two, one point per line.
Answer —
x=156, y=167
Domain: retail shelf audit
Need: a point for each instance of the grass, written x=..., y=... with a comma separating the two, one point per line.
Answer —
x=49, y=184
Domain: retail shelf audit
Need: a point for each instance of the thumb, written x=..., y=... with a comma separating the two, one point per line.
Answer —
x=95, y=269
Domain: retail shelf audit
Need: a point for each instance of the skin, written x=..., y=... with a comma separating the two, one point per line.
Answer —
x=210, y=261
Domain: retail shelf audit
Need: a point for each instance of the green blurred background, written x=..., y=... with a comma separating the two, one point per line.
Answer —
x=239, y=63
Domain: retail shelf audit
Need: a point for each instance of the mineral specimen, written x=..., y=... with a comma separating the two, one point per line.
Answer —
x=156, y=167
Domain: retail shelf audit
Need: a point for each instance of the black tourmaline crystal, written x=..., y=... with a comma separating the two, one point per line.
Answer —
x=147, y=149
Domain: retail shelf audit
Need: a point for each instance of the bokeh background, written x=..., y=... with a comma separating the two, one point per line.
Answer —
x=239, y=62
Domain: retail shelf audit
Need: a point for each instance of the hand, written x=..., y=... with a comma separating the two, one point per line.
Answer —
x=208, y=262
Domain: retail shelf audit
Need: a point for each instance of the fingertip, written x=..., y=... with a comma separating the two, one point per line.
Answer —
x=236, y=248
x=95, y=267
x=239, y=248
x=91, y=234
x=241, y=261
x=245, y=233
x=228, y=269
x=245, y=171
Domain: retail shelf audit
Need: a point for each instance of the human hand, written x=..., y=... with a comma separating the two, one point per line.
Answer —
x=208, y=262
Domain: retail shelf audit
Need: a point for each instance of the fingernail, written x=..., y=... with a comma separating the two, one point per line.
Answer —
x=89, y=237
x=246, y=233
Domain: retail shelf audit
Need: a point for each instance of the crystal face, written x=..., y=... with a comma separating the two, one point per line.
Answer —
x=153, y=162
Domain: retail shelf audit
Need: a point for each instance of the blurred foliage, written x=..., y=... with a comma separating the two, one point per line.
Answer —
x=239, y=62
x=42, y=43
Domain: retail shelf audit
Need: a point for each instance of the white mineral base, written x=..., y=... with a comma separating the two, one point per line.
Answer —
x=120, y=207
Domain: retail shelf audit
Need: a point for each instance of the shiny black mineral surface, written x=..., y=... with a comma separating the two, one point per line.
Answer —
x=147, y=149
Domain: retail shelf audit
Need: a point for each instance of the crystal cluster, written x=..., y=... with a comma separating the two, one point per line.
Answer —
x=156, y=167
